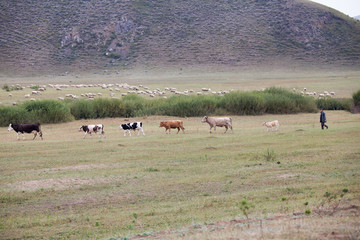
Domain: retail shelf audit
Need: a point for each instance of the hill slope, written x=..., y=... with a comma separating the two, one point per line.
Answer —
x=55, y=36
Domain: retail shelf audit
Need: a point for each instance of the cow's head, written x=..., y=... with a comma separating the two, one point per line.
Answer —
x=162, y=124
x=83, y=128
x=264, y=123
x=123, y=126
x=10, y=127
x=204, y=119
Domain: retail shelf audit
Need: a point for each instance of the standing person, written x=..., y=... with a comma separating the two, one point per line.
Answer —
x=323, y=119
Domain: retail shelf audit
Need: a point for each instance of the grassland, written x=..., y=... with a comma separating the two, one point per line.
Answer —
x=66, y=187
x=344, y=83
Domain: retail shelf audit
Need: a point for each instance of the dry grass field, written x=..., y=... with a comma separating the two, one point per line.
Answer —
x=296, y=182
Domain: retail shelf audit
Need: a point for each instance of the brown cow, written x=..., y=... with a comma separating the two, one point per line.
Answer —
x=172, y=124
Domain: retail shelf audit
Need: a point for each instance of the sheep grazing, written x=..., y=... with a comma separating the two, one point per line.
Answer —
x=27, y=95
x=271, y=125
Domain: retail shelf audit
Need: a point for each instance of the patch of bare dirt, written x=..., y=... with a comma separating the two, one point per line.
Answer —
x=57, y=184
x=319, y=225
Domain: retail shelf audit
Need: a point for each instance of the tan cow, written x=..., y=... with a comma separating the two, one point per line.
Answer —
x=172, y=124
x=272, y=124
x=218, y=122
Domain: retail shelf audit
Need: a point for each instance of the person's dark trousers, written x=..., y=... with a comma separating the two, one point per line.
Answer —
x=323, y=124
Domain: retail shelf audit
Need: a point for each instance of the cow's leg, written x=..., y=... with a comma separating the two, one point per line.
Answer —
x=40, y=133
x=183, y=129
x=129, y=133
x=214, y=129
x=85, y=135
x=178, y=130
x=232, y=131
x=142, y=130
x=210, y=129
x=23, y=136
x=226, y=128
x=35, y=133
x=17, y=138
x=124, y=133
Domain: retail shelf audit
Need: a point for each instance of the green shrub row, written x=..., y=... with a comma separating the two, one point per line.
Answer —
x=335, y=103
x=271, y=101
x=44, y=111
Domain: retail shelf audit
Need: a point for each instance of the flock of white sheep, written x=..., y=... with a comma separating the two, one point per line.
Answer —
x=314, y=94
x=132, y=89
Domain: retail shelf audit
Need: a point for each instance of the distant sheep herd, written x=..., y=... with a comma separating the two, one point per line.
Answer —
x=117, y=89
x=213, y=122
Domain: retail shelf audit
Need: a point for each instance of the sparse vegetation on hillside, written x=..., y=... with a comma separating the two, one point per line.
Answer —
x=59, y=36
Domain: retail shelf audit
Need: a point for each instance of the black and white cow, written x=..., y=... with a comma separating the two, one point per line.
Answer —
x=93, y=129
x=132, y=126
x=26, y=128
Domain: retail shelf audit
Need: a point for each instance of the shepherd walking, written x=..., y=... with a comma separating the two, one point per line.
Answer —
x=323, y=119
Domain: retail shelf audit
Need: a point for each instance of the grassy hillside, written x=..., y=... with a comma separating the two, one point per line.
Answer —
x=77, y=36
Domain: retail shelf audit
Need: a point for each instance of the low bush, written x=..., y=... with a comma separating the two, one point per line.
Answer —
x=181, y=106
x=335, y=103
x=244, y=103
x=13, y=115
x=14, y=88
x=43, y=111
x=356, y=98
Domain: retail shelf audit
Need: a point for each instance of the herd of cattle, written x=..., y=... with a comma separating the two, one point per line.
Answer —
x=137, y=126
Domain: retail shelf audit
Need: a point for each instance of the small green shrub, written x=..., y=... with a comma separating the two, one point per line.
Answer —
x=270, y=155
x=245, y=208
x=35, y=87
x=14, y=88
x=6, y=88
x=307, y=211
